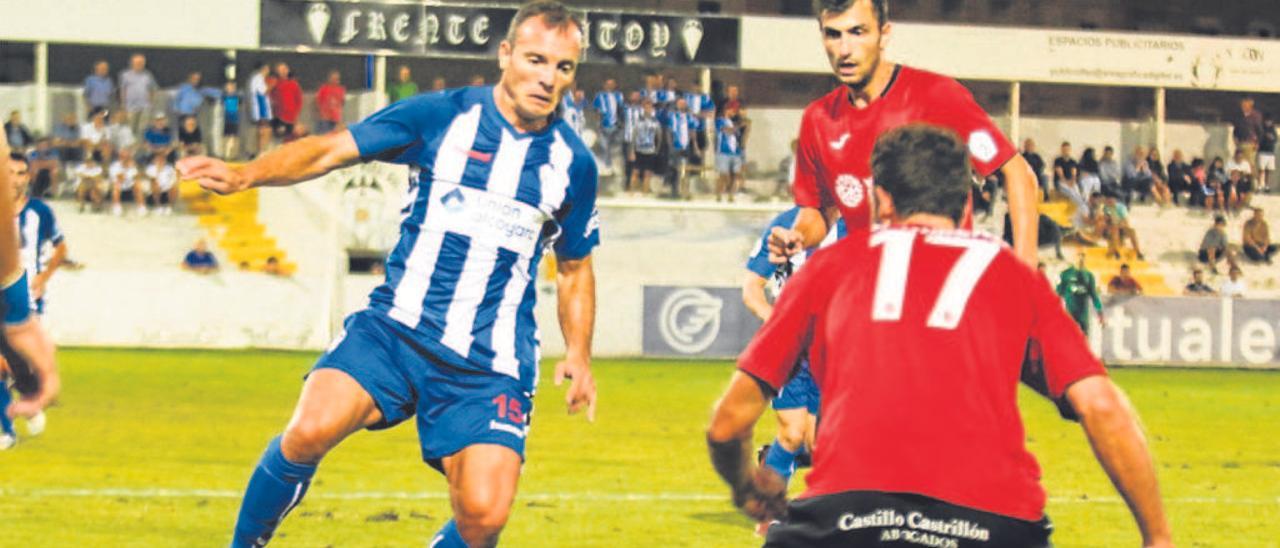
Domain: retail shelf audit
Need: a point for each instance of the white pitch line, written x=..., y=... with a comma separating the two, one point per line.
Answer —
x=587, y=496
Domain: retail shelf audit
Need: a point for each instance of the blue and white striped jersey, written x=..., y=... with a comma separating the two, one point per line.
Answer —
x=485, y=200
x=609, y=104
x=758, y=261
x=259, y=101
x=38, y=234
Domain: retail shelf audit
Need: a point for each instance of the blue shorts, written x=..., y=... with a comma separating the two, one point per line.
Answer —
x=455, y=408
x=800, y=392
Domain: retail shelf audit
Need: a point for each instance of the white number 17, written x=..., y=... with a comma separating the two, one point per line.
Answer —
x=891, y=282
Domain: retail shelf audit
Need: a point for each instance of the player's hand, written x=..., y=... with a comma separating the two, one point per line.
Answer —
x=212, y=174
x=764, y=498
x=582, y=386
x=38, y=284
x=783, y=243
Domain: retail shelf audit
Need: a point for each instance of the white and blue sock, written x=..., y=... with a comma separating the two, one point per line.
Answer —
x=277, y=486
x=6, y=424
x=448, y=537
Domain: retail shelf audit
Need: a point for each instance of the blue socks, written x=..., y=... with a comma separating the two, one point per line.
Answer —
x=277, y=486
x=782, y=461
x=448, y=537
x=6, y=425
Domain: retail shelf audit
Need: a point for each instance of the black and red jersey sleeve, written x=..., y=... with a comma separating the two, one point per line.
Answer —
x=806, y=187
x=954, y=107
x=776, y=348
x=1063, y=350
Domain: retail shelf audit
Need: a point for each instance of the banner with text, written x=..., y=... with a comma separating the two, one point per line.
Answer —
x=435, y=30
x=712, y=322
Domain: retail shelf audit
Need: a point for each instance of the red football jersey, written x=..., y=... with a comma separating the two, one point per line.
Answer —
x=833, y=158
x=916, y=339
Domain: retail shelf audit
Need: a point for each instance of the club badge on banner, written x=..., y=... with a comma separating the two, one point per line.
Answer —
x=462, y=31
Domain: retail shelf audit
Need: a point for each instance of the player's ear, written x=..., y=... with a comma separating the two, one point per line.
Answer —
x=504, y=55
x=884, y=205
x=886, y=34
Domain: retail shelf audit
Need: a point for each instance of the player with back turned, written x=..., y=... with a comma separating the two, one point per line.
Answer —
x=916, y=333
x=450, y=337
x=838, y=131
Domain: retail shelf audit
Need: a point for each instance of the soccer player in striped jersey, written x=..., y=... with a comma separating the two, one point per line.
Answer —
x=450, y=337
x=797, y=403
x=27, y=350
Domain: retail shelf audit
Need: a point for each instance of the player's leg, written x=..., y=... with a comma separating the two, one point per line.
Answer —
x=8, y=438
x=116, y=191
x=357, y=384
x=790, y=443
x=482, y=486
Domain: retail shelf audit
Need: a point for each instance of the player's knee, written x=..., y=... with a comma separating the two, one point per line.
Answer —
x=791, y=435
x=306, y=441
x=480, y=518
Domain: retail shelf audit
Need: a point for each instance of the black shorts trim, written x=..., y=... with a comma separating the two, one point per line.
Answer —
x=872, y=518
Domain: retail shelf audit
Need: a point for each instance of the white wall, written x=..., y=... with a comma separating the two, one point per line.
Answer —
x=222, y=24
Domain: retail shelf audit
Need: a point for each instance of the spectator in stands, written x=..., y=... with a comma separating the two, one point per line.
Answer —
x=200, y=260
x=137, y=92
x=404, y=87
x=984, y=194
x=20, y=138
x=159, y=138
x=98, y=90
x=1266, y=154
x=66, y=139
x=119, y=134
x=1049, y=233
x=1118, y=228
x=1089, y=181
x=191, y=96
x=728, y=156
x=190, y=138
x=1109, y=171
x=124, y=184
x=260, y=104
x=1138, y=178
x=93, y=134
x=1197, y=287
x=1234, y=286
x=1065, y=173
x=647, y=141
x=683, y=150
x=477, y=80
x=1239, y=185
x=1124, y=284
x=438, y=83
x=46, y=167
x=573, y=109
x=272, y=267
x=631, y=114
x=1180, y=179
x=92, y=181
x=1211, y=181
x=733, y=101
x=163, y=180
x=704, y=113
x=1256, y=239
x=1037, y=166
x=1247, y=130
x=1214, y=246
x=230, y=121
x=286, y=102
x=1160, y=191
x=653, y=87
x=330, y=100
x=608, y=103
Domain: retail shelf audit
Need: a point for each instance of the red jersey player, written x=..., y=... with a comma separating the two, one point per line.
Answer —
x=833, y=160
x=916, y=333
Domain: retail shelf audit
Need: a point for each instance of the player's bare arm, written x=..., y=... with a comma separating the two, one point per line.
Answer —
x=576, y=296
x=1113, y=430
x=41, y=281
x=758, y=491
x=1021, y=186
x=754, y=298
x=810, y=228
x=293, y=163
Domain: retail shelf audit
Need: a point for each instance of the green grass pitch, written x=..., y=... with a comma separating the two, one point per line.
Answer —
x=153, y=447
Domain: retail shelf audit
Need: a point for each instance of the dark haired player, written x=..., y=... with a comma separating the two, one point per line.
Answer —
x=916, y=333
x=837, y=132
x=450, y=337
